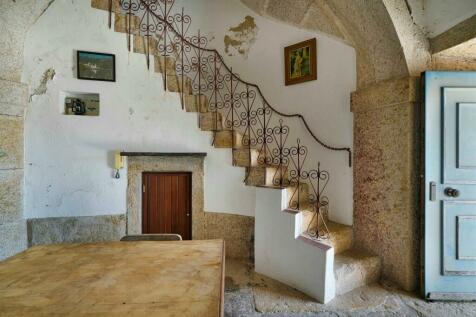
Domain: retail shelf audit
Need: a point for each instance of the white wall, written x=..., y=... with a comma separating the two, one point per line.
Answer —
x=68, y=159
x=284, y=255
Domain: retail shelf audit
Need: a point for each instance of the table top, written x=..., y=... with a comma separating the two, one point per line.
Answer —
x=146, y=278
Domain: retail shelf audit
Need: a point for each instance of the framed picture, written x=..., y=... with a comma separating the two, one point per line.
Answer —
x=300, y=62
x=96, y=66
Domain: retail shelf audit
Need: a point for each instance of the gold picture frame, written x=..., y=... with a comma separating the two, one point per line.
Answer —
x=300, y=62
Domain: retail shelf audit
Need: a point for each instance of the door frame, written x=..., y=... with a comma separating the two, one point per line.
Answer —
x=144, y=196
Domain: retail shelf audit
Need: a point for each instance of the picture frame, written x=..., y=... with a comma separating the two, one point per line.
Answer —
x=96, y=66
x=300, y=62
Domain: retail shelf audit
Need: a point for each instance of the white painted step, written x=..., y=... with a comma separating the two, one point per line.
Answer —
x=355, y=268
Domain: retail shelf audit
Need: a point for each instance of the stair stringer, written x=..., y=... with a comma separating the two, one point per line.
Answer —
x=284, y=254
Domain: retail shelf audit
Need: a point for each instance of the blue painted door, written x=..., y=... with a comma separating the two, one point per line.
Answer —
x=450, y=185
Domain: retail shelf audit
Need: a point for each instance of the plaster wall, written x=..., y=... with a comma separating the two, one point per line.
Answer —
x=305, y=265
x=69, y=159
x=437, y=16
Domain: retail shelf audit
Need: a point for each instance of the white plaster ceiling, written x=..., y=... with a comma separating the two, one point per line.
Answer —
x=437, y=16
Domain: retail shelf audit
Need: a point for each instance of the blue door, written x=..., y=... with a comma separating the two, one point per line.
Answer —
x=450, y=185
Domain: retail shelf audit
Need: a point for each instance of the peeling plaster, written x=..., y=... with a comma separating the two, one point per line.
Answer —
x=241, y=38
x=48, y=75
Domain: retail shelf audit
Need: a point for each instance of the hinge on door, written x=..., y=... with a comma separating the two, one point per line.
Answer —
x=143, y=188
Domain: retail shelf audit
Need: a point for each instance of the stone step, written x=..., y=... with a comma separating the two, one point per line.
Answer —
x=104, y=5
x=270, y=176
x=341, y=236
x=164, y=64
x=245, y=157
x=195, y=103
x=140, y=45
x=354, y=268
x=303, y=197
x=229, y=139
x=121, y=23
x=174, y=84
x=211, y=121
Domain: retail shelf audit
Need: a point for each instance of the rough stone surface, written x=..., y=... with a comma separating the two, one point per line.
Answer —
x=248, y=294
x=13, y=238
x=353, y=269
x=76, y=229
x=11, y=142
x=415, y=44
x=237, y=231
x=13, y=93
x=385, y=179
x=283, y=11
x=16, y=18
x=11, y=198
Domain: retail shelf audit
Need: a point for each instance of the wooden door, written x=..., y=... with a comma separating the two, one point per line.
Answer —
x=167, y=203
x=450, y=185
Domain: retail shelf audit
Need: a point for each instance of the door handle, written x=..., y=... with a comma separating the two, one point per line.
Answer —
x=451, y=192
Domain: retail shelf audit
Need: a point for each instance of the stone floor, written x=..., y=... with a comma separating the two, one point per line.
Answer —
x=248, y=294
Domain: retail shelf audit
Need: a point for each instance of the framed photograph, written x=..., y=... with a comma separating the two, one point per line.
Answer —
x=300, y=62
x=96, y=66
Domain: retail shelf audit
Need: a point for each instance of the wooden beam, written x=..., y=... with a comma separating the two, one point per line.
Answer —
x=460, y=33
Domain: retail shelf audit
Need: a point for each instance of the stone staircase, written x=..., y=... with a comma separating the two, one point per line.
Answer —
x=352, y=268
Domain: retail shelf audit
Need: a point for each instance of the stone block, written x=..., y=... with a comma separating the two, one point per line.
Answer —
x=12, y=110
x=195, y=102
x=121, y=23
x=104, y=5
x=237, y=231
x=140, y=45
x=11, y=198
x=353, y=269
x=386, y=188
x=13, y=237
x=175, y=83
x=11, y=142
x=13, y=93
x=210, y=121
x=164, y=65
x=245, y=157
x=76, y=229
x=384, y=94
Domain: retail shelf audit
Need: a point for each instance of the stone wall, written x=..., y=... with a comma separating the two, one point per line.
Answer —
x=15, y=18
x=386, y=190
x=76, y=229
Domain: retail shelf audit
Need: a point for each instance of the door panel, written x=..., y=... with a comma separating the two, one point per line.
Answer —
x=459, y=118
x=450, y=203
x=459, y=227
x=167, y=203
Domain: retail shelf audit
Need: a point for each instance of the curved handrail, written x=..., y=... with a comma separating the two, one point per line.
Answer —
x=295, y=115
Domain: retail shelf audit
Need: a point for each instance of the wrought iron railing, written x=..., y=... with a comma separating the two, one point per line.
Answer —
x=237, y=106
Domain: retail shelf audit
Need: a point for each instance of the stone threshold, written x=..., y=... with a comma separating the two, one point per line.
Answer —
x=196, y=154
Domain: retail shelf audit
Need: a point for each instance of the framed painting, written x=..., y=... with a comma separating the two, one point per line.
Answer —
x=300, y=62
x=96, y=66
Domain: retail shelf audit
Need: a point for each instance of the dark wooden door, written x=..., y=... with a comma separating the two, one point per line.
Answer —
x=167, y=203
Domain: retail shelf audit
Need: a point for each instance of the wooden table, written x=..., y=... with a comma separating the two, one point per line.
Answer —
x=179, y=278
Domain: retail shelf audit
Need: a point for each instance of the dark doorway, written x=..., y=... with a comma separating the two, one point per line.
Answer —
x=167, y=203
